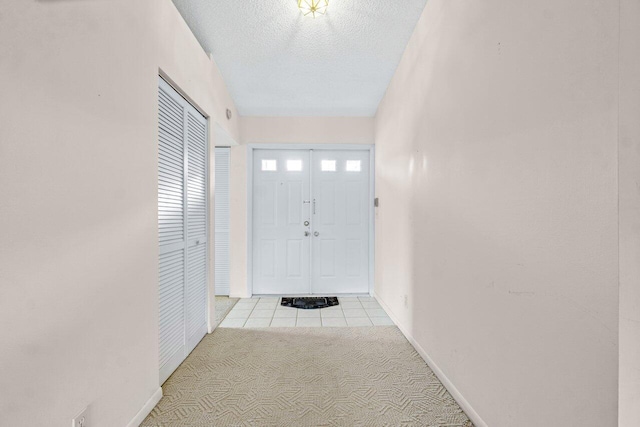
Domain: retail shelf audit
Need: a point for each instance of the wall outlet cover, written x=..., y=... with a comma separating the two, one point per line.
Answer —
x=82, y=419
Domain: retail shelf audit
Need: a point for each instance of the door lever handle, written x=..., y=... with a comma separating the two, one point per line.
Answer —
x=306, y=233
x=316, y=233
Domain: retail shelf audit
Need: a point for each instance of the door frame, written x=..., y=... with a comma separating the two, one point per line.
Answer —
x=319, y=147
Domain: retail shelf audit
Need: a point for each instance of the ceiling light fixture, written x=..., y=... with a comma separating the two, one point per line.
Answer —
x=313, y=7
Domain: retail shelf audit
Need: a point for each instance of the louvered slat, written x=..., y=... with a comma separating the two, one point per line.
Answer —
x=172, y=306
x=222, y=223
x=196, y=182
x=196, y=287
x=171, y=230
x=170, y=171
x=182, y=228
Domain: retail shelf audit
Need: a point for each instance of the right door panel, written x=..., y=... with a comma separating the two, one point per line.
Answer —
x=340, y=220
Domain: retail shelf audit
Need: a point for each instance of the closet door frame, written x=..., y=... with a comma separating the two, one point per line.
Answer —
x=316, y=147
x=164, y=83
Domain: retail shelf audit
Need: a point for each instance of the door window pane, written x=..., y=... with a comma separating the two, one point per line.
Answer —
x=269, y=165
x=353, y=166
x=294, y=165
x=328, y=166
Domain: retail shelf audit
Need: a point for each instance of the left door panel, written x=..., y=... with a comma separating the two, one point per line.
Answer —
x=281, y=228
x=182, y=228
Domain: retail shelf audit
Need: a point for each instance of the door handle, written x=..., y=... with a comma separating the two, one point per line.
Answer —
x=315, y=233
x=306, y=233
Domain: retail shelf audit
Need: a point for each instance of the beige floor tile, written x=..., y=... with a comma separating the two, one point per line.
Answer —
x=308, y=322
x=376, y=312
x=355, y=312
x=382, y=321
x=334, y=321
x=257, y=323
x=283, y=322
x=370, y=304
x=232, y=323
x=236, y=313
x=351, y=305
x=315, y=313
x=331, y=313
x=266, y=306
x=359, y=321
x=292, y=313
x=261, y=314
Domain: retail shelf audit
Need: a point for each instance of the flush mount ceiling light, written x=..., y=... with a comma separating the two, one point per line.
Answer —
x=313, y=7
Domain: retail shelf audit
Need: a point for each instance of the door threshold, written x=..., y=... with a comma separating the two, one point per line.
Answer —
x=310, y=295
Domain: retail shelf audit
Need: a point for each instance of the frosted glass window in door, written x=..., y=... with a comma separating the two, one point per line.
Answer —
x=294, y=165
x=269, y=165
x=328, y=165
x=353, y=166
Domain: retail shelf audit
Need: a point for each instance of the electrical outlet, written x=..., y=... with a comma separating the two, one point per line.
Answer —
x=82, y=419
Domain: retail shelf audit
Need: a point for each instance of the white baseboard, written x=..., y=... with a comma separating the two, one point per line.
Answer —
x=146, y=409
x=464, y=404
x=240, y=295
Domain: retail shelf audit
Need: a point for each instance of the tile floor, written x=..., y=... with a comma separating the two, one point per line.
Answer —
x=262, y=312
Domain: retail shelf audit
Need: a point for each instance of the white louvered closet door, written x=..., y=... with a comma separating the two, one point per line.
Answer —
x=222, y=204
x=182, y=228
x=196, y=289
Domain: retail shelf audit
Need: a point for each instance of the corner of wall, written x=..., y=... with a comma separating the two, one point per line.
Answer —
x=146, y=409
x=446, y=382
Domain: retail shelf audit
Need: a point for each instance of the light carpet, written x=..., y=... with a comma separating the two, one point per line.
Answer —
x=305, y=377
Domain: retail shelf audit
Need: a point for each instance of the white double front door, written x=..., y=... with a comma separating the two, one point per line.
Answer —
x=311, y=221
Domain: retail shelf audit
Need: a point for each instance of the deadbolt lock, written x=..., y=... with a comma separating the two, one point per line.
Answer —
x=306, y=223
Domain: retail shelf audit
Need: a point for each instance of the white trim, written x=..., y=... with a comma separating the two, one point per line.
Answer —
x=446, y=382
x=293, y=146
x=249, y=266
x=313, y=224
x=372, y=180
x=146, y=409
x=372, y=219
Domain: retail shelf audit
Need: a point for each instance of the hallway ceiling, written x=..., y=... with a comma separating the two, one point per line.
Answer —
x=277, y=62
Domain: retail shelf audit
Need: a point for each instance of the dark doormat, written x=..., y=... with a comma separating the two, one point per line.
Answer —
x=309, y=302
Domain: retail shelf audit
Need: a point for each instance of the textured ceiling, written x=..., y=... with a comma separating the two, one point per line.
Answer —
x=277, y=62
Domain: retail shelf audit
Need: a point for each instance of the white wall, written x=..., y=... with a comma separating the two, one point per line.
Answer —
x=629, y=163
x=78, y=201
x=279, y=130
x=497, y=176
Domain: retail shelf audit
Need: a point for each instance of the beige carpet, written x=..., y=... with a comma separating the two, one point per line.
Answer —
x=305, y=377
x=224, y=306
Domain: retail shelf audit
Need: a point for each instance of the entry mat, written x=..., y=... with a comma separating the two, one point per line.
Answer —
x=307, y=303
